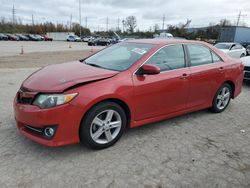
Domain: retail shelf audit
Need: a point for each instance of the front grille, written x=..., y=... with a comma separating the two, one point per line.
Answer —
x=247, y=68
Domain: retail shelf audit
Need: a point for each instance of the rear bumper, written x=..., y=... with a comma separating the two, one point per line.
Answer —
x=66, y=118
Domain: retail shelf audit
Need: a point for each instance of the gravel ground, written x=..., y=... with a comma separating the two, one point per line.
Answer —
x=11, y=48
x=39, y=59
x=200, y=149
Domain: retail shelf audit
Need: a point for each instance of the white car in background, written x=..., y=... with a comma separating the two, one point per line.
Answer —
x=234, y=50
x=74, y=38
x=246, y=62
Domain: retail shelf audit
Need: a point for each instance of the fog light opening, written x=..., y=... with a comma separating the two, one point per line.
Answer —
x=49, y=132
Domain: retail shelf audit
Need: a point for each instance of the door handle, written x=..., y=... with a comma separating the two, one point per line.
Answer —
x=184, y=76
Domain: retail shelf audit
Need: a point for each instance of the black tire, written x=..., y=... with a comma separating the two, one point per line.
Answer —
x=86, y=125
x=215, y=108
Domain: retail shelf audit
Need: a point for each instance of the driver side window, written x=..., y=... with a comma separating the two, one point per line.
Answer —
x=169, y=58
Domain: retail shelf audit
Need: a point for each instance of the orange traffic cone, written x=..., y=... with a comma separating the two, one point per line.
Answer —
x=91, y=50
x=22, y=52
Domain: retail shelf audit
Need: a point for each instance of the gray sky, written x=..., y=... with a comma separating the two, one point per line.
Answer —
x=147, y=12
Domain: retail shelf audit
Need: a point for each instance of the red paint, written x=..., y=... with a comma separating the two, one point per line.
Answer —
x=149, y=98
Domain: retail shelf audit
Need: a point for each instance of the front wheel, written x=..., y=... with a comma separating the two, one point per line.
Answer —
x=103, y=125
x=222, y=98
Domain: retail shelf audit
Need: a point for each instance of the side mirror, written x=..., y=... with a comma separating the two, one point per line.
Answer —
x=149, y=70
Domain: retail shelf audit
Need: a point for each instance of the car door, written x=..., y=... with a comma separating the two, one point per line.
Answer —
x=236, y=51
x=166, y=92
x=207, y=72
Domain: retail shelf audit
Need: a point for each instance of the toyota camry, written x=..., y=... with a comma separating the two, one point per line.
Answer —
x=127, y=85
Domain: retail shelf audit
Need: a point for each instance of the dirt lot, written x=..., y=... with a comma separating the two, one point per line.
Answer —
x=196, y=150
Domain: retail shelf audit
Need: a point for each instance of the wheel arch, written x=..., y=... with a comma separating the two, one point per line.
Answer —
x=118, y=101
x=231, y=83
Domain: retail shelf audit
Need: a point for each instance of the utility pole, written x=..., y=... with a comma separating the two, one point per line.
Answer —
x=123, y=24
x=86, y=22
x=107, y=24
x=80, y=17
x=239, y=17
x=163, y=22
x=118, y=24
x=13, y=14
x=32, y=20
x=70, y=22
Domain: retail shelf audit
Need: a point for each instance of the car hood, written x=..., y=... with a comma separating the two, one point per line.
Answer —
x=58, y=78
x=246, y=61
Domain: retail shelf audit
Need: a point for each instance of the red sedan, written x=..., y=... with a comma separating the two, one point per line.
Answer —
x=126, y=85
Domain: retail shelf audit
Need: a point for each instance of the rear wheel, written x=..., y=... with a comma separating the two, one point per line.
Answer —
x=222, y=98
x=103, y=125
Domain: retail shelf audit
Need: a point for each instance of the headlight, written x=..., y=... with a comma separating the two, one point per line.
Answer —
x=52, y=100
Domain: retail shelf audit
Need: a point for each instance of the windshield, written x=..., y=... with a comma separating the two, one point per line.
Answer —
x=119, y=57
x=223, y=46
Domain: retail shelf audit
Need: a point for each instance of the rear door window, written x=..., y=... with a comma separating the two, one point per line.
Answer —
x=199, y=55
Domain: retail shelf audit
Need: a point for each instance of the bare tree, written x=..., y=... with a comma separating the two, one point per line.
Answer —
x=185, y=25
x=225, y=22
x=131, y=23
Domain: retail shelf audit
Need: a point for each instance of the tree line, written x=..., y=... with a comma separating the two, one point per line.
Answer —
x=130, y=25
x=42, y=28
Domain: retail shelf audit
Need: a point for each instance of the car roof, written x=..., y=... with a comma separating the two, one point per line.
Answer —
x=230, y=43
x=163, y=41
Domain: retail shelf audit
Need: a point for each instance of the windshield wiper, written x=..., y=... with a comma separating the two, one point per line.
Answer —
x=94, y=65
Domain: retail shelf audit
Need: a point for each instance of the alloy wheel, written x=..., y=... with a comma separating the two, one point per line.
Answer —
x=223, y=98
x=105, y=127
